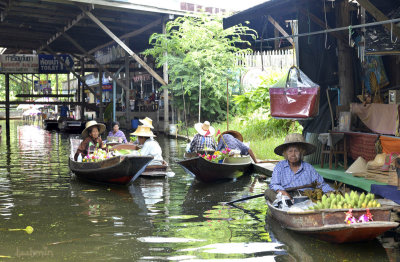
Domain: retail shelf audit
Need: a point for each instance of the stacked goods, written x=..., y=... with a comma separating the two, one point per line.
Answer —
x=98, y=155
x=352, y=200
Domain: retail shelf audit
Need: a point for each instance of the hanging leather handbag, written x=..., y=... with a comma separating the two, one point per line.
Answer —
x=298, y=99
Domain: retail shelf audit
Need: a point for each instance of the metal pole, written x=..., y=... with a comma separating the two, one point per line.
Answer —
x=7, y=78
x=227, y=104
x=200, y=99
x=333, y=30
x=115, y=91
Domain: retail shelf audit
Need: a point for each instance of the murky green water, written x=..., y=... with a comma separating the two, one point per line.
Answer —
x=172, y=219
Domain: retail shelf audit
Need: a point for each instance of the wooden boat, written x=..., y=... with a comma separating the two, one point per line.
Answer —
x=50, y=124
x=208, y=172
x=117, y=170
x=156, y=170
x=151, y=170
x=72, y=126
x=329, y=225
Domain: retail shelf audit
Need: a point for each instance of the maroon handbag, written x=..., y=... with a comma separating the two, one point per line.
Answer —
x=299, y=99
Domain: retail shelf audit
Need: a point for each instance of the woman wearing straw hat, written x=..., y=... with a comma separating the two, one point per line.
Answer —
x=234, y=140
x=204, y=138
x=150, y=146
x=91, y=136
x=293, y=171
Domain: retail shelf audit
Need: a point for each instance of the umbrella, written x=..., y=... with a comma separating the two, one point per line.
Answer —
x=24, y=106
x=31, y=112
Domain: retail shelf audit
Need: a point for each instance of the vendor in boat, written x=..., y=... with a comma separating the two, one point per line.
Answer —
x=150, y=147
x=234, y=140
x=204, y=139
x=91, y=136
x=115, y=132
x=293, y=171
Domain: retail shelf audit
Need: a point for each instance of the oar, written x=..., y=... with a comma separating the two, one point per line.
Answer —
x=260, y=195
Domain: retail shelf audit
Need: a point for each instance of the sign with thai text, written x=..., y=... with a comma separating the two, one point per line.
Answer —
x=109, y=54
x=49, y=64
x=12, y=63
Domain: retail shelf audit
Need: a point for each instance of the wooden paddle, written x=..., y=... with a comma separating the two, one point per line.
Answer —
x=313, y=185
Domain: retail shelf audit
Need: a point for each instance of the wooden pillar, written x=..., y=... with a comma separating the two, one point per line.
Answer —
x=345, y=65
x=83, y=89
x=127, y=97
x=101, y=107
x=165, y=91
x=7, y=79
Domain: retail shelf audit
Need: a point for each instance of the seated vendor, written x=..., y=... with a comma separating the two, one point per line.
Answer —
x=115, y=132
x=234, y=140
x=293, y=171
x=204, y=138
x=150, y=147
x=91, y=136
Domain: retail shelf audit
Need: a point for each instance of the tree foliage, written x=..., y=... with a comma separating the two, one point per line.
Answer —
x=195, y=47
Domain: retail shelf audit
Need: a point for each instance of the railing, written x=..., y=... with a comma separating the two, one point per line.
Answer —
x=274, y=59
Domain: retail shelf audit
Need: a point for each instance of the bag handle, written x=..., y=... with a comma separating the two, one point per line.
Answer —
x=298, y=75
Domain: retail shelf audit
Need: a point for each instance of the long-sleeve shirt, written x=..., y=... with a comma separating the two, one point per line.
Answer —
x=119, y=133
x=152, y=148
x=200, y=142
x=283, y=177
x=84, y=146
x=232, y=143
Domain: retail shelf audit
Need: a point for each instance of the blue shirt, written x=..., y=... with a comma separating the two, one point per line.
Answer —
x=232, y=143
x=283, y=177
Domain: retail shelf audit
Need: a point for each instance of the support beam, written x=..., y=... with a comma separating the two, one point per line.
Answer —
x=129, y=35
x=378, y=15
x=92, y=58
x=65, y=29
x=125, y=47
x=277, y=26
x=71, y=70
x=322, y=24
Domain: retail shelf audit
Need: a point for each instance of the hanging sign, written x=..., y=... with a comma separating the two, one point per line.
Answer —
x=49, y=64
x=109, y=54
x=19, y=64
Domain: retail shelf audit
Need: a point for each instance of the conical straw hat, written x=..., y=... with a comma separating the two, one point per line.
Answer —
x=359, y=166
x=143, y=131
x=378, y=161
x=147, y=122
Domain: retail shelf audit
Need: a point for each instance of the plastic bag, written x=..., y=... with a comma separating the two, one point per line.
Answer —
x=282, y=202
x=294, y=96
x=302, y=206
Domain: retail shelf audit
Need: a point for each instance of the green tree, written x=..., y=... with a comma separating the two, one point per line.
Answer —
x=195, y=47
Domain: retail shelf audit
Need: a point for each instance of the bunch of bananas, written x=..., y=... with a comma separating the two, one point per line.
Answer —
x=352, y=200
x=315, y=194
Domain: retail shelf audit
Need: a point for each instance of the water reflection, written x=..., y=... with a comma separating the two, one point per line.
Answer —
x=175, y=218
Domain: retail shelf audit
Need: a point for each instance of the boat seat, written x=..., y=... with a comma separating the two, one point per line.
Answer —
x=334, y=145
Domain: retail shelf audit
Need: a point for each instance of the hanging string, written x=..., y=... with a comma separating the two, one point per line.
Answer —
x=309, y=27
x=326, y=27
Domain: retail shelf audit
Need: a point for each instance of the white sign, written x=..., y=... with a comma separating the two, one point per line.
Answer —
x=19, y=64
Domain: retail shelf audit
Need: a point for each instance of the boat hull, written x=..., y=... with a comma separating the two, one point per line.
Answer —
x=117, y=170
x=329, y=224
x=209, y=172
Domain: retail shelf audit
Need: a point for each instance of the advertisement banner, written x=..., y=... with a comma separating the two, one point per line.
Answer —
x=43, y=86
x=49, y=64
x=27, y=64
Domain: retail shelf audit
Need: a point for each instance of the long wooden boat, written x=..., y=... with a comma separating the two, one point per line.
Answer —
x=116, y=170
x=329, y=225
x=151, y=170
x=209, y=172
x=156, y=170
x=50, y=124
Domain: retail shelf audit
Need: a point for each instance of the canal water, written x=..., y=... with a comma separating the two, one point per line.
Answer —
x=171, y=219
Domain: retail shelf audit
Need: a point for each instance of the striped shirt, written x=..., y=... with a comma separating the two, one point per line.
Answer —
x=283, y=177
x=200, y=142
